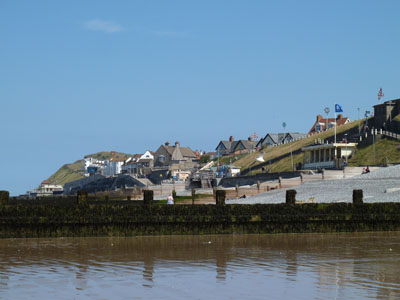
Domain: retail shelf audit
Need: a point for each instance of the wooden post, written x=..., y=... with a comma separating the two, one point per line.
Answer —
x=4, y=197
x=237, y=191
x=358, y=197
x=81, y=198
x=193, y=195
x=280, y=182
x=220, y=197
x=291, y=197
x=148, y=197
x=258, y=185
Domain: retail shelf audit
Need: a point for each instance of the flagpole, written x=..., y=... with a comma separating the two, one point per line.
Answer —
x=335, y=123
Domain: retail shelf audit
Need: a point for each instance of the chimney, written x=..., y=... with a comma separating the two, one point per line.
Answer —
x=319, y=118
x=177, y=144
x=249, y=138
x=231, y=139
x=340, y=116
x=166, y=143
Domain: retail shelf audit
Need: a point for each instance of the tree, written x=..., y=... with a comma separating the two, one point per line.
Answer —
x=205, y=159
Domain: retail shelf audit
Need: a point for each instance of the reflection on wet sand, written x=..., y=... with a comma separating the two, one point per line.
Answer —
x=333, y=264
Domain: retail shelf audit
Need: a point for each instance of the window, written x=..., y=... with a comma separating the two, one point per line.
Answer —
x=161, y=158
x=318, y=128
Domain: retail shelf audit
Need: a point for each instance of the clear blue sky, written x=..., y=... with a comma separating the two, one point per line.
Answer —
x=78, y=77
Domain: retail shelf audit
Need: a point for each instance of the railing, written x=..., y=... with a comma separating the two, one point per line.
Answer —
x=389, y=134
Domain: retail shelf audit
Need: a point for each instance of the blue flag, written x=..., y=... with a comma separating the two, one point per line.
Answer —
x=338, y=108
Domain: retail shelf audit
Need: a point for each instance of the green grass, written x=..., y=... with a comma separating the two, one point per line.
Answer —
x=282, y=165
x=229, y=159
x=74, y=171
x=68, y=173
x=385, y=153
x=107, y=155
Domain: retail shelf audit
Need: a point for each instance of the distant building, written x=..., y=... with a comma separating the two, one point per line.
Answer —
x=46, y=189
x=113, y=166
x=385, y=112
x=235, y=147
x=175, y=157
x=92, y=166
x=326, y=156
x=322, y=124
x=271, y=139
x=139, y=165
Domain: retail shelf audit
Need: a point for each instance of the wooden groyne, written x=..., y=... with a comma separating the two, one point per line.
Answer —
x=130, y=218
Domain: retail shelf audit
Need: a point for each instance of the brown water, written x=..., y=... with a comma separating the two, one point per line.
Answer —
x=307, y=266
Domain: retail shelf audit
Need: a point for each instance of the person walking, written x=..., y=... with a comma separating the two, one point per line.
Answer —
x=170, y=200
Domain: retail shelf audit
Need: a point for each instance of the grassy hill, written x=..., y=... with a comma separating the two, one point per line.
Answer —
x=67, y=173
x=74, y=171
x=386, y=152
x=285, y=164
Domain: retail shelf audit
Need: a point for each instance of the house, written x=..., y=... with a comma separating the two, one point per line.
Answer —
x=175, y=157
x=235, y=147
x=322, y=124
x=385, y=112
x=271, y=139
x=139, y=164
x=92, y=166
x=292, y=136
x=46, y=189
x=113, y=166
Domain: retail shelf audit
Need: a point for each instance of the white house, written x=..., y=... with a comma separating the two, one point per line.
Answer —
x=113, y=166
x=45, y=189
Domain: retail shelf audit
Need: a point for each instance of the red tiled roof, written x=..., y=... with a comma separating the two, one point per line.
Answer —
x=323, y=122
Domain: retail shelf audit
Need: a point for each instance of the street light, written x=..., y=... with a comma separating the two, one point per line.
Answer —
x=291, y=154
x=326, y=110
x=284, y=126
x=367, y=112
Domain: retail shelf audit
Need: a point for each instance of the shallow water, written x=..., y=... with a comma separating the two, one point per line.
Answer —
x=295, y=266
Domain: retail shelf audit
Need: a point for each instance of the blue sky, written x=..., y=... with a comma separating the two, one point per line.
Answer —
x=78, y=77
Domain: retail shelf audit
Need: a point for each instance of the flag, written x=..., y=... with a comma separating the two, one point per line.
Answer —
x=380, y=94
x=338, y=108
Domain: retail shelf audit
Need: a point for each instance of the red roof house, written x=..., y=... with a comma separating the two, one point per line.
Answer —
x=322, y=124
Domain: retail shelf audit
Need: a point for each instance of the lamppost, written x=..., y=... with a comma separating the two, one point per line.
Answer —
x=291, y=154
x=367, y=112
x=326, y=110
x=284, y=126
x=373, y=144
x=359, y=130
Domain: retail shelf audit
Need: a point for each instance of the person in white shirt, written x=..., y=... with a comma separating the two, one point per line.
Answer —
x=170, y=200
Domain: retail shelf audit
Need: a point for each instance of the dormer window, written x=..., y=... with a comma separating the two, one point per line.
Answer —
x=318, y=128
x=161, y=158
